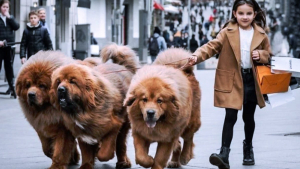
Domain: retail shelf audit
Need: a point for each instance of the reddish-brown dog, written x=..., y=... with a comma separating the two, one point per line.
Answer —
x=164, y=104
x=91, y=101
x=32, y=87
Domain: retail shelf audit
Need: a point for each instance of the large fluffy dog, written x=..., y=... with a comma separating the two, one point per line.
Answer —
x=91, y=99
x=33, y=86
x=164, y=104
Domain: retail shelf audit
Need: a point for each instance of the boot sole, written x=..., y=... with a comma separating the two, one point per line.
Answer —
x=248, y=163
x=214, y=160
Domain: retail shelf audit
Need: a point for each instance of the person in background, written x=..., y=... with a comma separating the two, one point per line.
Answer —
x=193, y=44
x=204, y=40
x=42, y=15
x=93, y=40
x=184, y=40
x=177, y=39
x=157, y=44
x=35, y=38
x=8, y=25
x=235, y=86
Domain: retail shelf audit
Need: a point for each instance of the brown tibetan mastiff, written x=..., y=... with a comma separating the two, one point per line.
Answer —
x=91, y=101
x=164, y=104
x=32, y=86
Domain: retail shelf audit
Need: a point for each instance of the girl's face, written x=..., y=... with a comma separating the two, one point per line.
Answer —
x=34, y=19
x=4, y=8
x=244, y=15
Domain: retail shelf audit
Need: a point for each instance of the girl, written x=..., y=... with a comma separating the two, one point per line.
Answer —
x=242, y=43
x=8, y=25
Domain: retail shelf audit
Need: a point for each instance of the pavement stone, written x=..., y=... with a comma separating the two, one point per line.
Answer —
x=21, y=149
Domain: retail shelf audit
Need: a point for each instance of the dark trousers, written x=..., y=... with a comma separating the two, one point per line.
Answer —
x=6, y=54
x=249, y=106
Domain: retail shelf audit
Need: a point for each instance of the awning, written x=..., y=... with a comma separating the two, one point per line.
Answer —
x=171, y=9
x=158, y=6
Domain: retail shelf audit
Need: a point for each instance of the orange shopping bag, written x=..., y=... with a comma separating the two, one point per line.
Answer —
x=270, y=82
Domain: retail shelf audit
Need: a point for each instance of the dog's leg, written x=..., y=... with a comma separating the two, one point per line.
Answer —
x=187, y=150
x=162, y=155
x=123, y=160
x=46, y=145
x=175, y=161
x=141, y=147
x=63, y=148
x=75, y=155
x=108, y=146
x=88, y=153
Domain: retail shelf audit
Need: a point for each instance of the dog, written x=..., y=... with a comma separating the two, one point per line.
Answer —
x=32, y=87
x=163, y=103
x=91, y=100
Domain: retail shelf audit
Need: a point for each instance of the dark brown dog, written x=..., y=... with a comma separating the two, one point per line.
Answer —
x=91, y=100
x=32, y=87
x=164, y=104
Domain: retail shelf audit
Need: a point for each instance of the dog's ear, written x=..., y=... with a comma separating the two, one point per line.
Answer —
x=18, y=87
x=89, y=94
x=129, y=100
x=174, y=101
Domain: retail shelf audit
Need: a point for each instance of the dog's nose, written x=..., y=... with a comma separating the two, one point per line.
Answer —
x=150, y=113
x=62, y=89
x=31, y=95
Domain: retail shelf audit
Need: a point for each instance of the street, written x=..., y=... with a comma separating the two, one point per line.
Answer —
x=276, y=139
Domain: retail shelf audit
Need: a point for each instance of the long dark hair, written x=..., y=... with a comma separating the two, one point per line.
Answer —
x=3, y=2
x=260, y=18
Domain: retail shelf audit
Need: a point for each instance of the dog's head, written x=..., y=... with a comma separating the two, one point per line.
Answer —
x=153, y=101
x=33, y=85
x=73, y=88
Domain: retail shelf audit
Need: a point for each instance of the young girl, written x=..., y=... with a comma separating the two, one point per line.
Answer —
x=242, y=43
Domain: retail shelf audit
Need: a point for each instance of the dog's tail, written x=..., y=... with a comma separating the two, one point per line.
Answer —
x=122, y=55
x=175, y=57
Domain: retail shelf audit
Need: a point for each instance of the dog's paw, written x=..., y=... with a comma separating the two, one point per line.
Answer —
x=184, y=160
x=86, y=166
x=146, y=162
x=123, y=164
x=57, y=166
x=104, y=155
x=173, y=164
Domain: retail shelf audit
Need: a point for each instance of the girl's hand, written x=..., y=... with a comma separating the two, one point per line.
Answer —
x=7, y=14
x=192, y=60
x=23, y=60
x=255, y=55
x=1, y=43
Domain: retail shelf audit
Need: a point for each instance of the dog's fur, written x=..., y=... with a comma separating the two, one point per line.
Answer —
x=164, y=104
x=32, y=86
x=91, y=99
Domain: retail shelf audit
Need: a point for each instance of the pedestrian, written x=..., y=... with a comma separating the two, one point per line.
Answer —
x=200, y=32
x=204, y=40
x=8, y=25
x=241, y=38
x=193, y=44
x=156, y=44
x=184, y=40
x=42, y=15
x=213, y=33
x=166, y=36
x=35, y=38
x=273, y=27
x=93, y=40
x=177, y=39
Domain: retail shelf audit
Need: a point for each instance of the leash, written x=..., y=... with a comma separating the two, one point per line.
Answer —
x=170, y=63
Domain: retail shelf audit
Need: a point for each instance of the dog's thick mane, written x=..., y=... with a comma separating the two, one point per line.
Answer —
x=122, y=55
x=166, y=74
x=170, y=57
x=48, y=60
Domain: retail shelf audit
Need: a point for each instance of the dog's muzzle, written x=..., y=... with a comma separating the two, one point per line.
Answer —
x=151, y=120
x=62, y=95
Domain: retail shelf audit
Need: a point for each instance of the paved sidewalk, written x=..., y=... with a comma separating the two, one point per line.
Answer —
x=276, y=145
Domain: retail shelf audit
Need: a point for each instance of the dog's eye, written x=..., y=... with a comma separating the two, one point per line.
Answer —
x=159, y=101
x=145, y=100
x=42, y=86
x=57, y=82
x=72, y=81
x=27, y=85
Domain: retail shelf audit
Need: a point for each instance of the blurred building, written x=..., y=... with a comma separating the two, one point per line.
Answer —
x=122, y=21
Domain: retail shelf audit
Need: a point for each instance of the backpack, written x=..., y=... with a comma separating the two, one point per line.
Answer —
x=153, y=47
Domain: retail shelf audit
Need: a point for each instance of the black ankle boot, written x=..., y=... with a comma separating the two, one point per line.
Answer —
x=248, y=154
x=221, y=160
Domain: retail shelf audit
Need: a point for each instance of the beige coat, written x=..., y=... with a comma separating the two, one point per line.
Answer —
x=228, y=80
